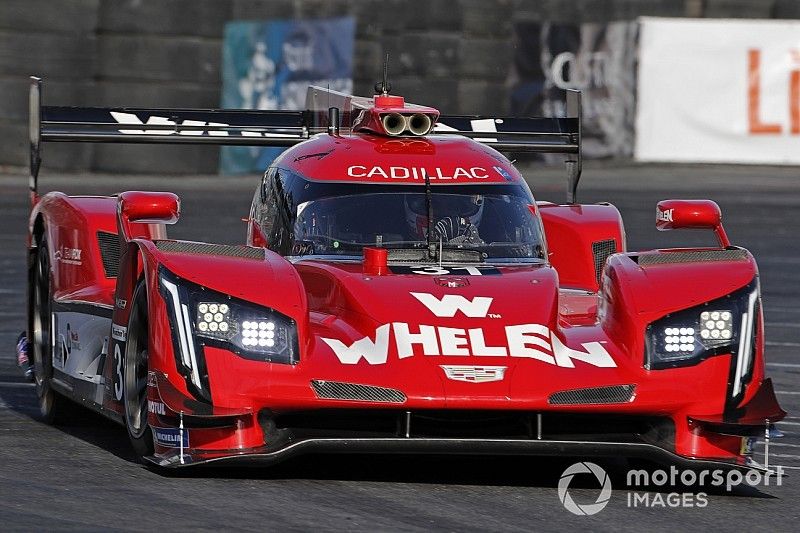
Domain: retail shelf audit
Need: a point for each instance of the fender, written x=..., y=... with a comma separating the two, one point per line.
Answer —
x=640, y=288
x=269, y=281
x=579, y=239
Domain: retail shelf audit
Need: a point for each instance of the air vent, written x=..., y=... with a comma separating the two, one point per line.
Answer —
x=109, y=252
x=594, y=396
x=336, y=390
x=199, y=248
x=699, y=256
x=601, y=250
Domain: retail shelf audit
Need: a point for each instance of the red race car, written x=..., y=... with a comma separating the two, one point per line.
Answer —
x=400, y=290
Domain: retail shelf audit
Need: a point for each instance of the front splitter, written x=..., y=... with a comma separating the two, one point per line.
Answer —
x=438, y=446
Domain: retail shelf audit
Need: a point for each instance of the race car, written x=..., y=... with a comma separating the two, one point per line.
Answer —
x=400, y=290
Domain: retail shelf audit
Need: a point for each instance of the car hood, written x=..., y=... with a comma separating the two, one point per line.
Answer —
x=452, y=332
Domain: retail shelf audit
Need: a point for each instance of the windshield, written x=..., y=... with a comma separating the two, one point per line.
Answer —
x=499, y=226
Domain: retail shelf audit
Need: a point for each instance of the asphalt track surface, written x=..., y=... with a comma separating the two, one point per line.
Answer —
x=83, y=477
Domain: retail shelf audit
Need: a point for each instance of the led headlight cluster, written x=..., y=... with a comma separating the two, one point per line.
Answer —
x=687, y=337
x=201, y=317
x=716, y=325
x=258, y=334
x=254, y=333
x=213, y=318
x=679, y=339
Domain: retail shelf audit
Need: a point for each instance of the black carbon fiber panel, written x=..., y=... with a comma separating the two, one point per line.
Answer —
x=109, y=252
x=199, y=248
x=699, y=256
x=335, y=390
x=601, y=250
x=594, y=396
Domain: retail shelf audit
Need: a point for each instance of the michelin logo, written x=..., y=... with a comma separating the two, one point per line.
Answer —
x=171, y=437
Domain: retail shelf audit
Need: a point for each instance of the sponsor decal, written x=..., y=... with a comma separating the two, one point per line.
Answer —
x=156, y=408
x=171, y=437
x=474, y=374
x=69, y=256
x=132, y=119
x=451, y=283
x=503, y=172
x=417, y=173
x=445, y=271
x=479, y=125
x=152, y=380
x=532, y=341
x=73, y=340
x=119, y=333
x=121, y=304
x=664, y=216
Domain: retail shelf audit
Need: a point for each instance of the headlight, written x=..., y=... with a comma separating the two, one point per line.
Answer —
x=251, y=331
x=686, y=337
x=202, y=317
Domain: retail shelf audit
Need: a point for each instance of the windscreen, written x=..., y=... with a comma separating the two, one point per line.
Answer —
x=500, y=226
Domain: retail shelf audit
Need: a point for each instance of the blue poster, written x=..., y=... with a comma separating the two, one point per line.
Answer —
x=269, y=65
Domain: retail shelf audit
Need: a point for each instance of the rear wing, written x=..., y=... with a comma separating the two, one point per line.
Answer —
x=524, y=135
x=326, y=110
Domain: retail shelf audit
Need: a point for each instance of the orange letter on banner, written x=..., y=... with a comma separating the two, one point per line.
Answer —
x=794, y=101
x=754, y=95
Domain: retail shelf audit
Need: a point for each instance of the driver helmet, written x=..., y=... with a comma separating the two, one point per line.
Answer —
x=460, y=211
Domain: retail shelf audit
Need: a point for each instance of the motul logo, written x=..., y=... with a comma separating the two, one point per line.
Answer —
x=532, y=341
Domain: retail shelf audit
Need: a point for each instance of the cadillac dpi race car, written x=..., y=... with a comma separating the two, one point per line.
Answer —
x=399, y=290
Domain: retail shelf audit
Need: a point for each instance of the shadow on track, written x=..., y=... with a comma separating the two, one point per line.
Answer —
x=85, y=425
x=509, y=471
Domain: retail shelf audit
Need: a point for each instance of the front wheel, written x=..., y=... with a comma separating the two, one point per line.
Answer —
x=134, y=395
x=53, y=407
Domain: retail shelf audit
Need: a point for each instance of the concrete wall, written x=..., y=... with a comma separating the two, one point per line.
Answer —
x=452, y=54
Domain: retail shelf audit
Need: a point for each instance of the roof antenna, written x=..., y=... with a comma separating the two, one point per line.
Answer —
x=383, y=87
x=429, y=209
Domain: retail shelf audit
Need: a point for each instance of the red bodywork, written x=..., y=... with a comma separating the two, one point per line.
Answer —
x=555, y=328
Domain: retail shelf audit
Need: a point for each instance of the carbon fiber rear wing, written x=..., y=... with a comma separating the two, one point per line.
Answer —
x=284, y=128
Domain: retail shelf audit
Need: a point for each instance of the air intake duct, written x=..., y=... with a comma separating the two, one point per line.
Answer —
x=393, y=123
x=419, y=124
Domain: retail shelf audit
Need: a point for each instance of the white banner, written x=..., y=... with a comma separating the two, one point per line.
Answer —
x=725, y=91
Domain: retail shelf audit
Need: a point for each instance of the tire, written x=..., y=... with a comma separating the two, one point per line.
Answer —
x=53, y=407
x=135, y=369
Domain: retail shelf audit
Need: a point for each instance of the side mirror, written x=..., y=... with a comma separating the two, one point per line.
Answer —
x=146, y=208
x=691, y=214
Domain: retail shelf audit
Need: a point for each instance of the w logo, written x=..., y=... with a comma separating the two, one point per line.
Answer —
x=451, y=304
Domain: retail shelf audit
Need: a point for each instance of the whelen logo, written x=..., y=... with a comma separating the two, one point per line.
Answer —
x=664, y=216
x=533, y=341
x=132, y=119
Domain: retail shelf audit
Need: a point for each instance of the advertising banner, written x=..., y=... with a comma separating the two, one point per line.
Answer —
x=269, y=65
x=719, y=91
x=597, y=59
